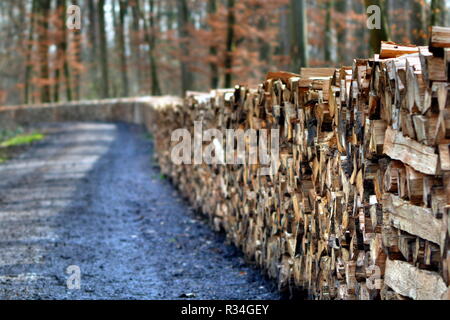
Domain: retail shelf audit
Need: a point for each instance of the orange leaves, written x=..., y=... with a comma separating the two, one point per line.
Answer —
x=256, y=33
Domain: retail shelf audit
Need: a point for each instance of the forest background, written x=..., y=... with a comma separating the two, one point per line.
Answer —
x=154, y=47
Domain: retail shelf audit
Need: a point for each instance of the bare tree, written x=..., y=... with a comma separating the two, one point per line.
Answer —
x=300, y=54
x=438, y=9
x=150, y=38
x=328, y=47
x=62, y=54
x=135, y=42
x=378, y=34
x=183, y=20
x=29, y=66
x=418, y=22
x=213, y=67
x=76, y=44
x=340, y=7
x=93, y=43
x=122, y=47
x=103, y=49
x=230, y=43
x=42, y=13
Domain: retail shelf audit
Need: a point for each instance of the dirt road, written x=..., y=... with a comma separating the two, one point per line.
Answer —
x=89, y=196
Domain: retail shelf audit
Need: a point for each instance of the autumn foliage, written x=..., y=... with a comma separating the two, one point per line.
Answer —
x=142, y=47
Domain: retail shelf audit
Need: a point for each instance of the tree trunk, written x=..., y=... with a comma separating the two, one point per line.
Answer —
x=264, y=45
x=284, y=36
x=116, y=81
x=213, y=67
x=150, y=38
x=29, y=66
x=438, y=9
x=43, y=12
x=382, y=34
x=230, y=44
x=77, y=49
x=135, y=42
x=62, y=54
x=122, y=48
x=341, y=33
x=170, y=15
x=156, y=89
x=103, y=50
x=328, y=45
x=418, y=24
x=300, y=55
x=93, y=31
x=362, y=45
x=183, y=20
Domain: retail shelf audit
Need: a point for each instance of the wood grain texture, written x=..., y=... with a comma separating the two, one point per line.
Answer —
x=421, y=157
x=415, y=220
x=412, y=282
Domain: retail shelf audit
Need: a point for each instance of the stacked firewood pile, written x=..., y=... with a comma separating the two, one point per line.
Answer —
x=357, y=206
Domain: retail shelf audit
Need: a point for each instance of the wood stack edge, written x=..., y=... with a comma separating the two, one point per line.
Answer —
x=359, y=206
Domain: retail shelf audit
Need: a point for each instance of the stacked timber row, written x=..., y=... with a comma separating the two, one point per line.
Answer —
x=358, y=205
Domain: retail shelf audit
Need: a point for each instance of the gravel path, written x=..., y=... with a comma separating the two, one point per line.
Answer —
x=89, y=196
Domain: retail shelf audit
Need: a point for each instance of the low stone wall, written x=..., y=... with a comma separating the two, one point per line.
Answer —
x=132, y=110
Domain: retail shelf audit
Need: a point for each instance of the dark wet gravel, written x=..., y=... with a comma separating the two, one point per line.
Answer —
x=90, y=196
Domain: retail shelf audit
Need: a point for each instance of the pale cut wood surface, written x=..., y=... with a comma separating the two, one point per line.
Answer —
x=421, y=157
x=415, y=220
x=412, y=282
x=440, y=37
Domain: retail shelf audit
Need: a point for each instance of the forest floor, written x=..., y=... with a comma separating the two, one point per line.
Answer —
x=89, y=195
